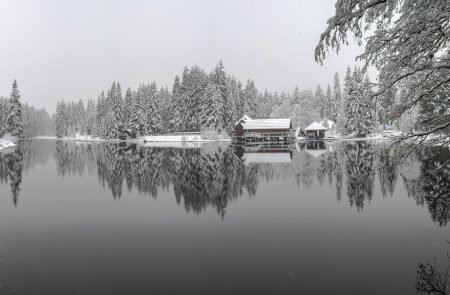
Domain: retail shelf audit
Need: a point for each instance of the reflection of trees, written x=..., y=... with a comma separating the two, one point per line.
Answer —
x=387, y=171
x=360, y=173
x=213, y=177
x=432, y=186
x=200, y=177
x=11, y=165
x=73, y=158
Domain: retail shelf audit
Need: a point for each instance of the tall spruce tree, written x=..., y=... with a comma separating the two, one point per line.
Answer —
x=336, y=101
x=127, y=106
x=14, y=124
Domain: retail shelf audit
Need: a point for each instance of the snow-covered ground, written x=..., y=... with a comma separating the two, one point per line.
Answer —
x=6, y=142
x=180, y=138
x=380, y=135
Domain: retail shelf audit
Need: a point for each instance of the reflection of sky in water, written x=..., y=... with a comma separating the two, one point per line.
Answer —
x=320, y=218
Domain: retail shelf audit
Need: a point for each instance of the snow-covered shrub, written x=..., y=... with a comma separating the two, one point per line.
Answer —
x=209, y=135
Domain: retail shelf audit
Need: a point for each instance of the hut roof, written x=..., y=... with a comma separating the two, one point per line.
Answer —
x=266, y=124
x=315, y=126
x=243, y=119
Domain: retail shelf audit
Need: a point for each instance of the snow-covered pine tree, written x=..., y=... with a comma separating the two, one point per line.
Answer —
x=4, y=113
x=80, y=117
x=328, y=103
x=219, y=79
x=137, y=119
x=14, y=123
x=118, y=106
x=113, y=113
x=197, y=82
x=249, y=98
x=61, y=120
x=111, y=126
x=152, y=117
x=212, y=100
x=320, y=102
x=184, y=100
x=239, y=103
x=90, y=117
x=100, y=115
x=174, y=107
x=164, y=100
x=127, y=107
x=336, y=101
x=234, y=93
x=359, y=108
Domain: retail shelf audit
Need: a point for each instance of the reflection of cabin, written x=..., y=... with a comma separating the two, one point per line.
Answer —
x=248, y=130
x=315, y=148
x=315, y=131
x=265, y=153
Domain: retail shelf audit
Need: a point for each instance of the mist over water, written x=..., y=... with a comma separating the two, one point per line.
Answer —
x=81, y=218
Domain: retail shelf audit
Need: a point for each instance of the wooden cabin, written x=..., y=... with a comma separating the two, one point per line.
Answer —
x=315, y=131
x=248, y=130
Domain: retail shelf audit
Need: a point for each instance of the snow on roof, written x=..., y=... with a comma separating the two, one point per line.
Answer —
x=267, y=124
x=244, y=118
x=266, y=158
x=315, y=126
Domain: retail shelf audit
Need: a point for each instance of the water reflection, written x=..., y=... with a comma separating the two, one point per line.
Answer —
x=11, y=165
x=431, y=187
x=214, y=176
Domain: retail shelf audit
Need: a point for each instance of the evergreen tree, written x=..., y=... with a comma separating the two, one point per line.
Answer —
x=212, y=100
x=336, y=101
x=14, y=124
x=137, y=119
x=61, y=120
x=359, y=107
x=127, y=106
x=4, y=114
x=320, y=102
x=329, y=112
x=174, y=120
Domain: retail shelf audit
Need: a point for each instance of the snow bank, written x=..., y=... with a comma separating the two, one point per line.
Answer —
x=87, y=138
x=179, y=138
x=7, y=142
x=380, y=135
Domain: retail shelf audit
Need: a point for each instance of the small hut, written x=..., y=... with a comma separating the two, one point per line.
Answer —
x=247, y=129
x=315, y=131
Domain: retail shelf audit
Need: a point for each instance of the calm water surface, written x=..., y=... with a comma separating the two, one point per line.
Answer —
x=325, y=218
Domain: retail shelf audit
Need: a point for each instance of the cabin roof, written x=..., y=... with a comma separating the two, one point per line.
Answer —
x=243, y=119
x=315, y=126
x=266, y=124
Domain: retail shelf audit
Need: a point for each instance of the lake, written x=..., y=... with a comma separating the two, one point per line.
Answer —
x=320, y=218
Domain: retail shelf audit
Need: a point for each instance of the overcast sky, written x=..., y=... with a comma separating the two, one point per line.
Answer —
x=74, y=49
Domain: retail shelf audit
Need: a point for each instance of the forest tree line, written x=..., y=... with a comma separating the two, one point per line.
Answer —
x=200, y=101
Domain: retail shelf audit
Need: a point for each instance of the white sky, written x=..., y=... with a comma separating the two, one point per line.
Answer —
x=61, y=49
